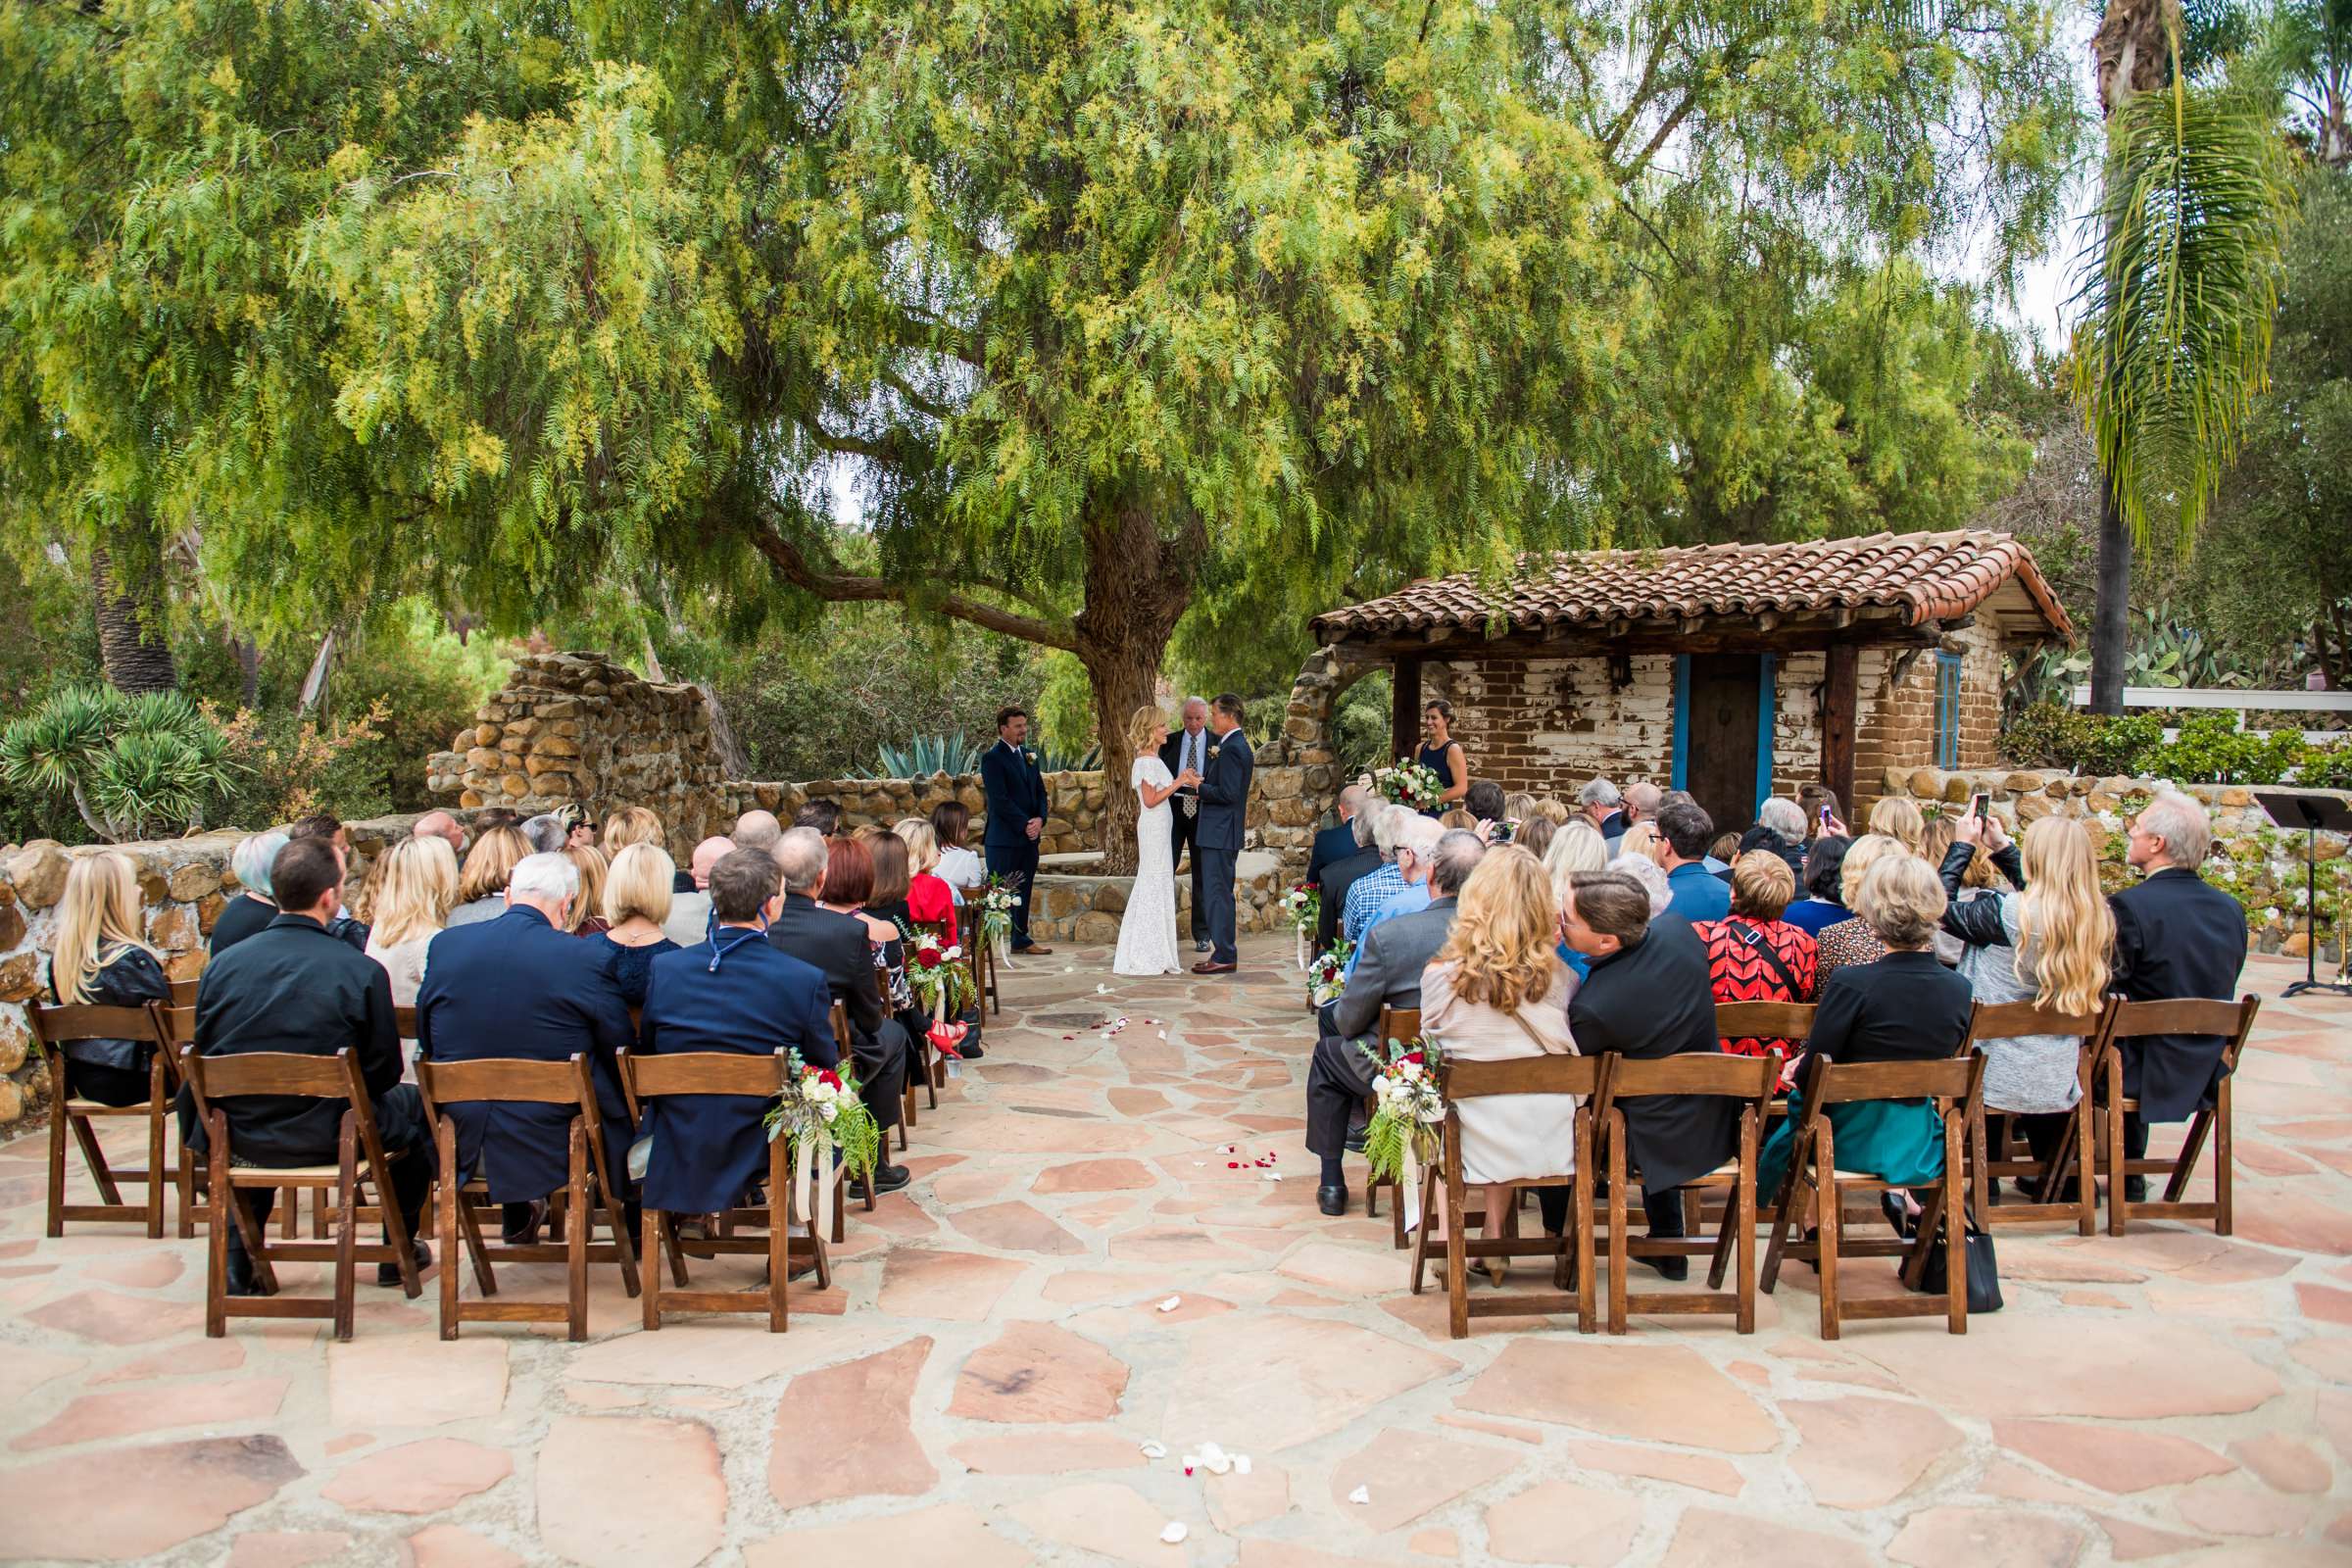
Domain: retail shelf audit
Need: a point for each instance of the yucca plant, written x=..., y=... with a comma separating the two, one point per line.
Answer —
x=134, y=767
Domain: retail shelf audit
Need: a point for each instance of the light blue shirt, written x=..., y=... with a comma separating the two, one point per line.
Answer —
x=1367, y=894
x=1412, y=901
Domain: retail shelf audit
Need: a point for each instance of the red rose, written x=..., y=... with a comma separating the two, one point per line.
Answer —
x=927, y=956
x=1414, y=1057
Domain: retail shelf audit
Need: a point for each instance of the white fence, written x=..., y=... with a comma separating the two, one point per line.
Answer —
x=2232, y=700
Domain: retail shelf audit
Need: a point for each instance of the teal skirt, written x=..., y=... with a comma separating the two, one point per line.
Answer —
x=1898, y=1140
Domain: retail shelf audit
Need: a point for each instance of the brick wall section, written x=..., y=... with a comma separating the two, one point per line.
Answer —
x=1898, y=716
x=1546, y=725
x=1796, y=720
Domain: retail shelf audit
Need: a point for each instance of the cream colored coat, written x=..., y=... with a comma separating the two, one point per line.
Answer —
x=1509, y=1137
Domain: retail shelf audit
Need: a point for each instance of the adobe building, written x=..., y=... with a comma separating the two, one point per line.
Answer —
x=1734, y=672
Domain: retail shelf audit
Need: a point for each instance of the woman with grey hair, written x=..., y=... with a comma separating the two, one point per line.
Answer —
x=1644, y=870
x=250, y=862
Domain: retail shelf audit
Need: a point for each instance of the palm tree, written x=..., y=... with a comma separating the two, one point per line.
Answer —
x=135, y=642
x=2174, y=337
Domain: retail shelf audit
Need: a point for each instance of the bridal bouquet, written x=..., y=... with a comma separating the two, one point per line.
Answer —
x=821, y=1115
x=1302, y=906
x=996, y=898
x=1408, y=1110
x=1327, y=976
x=1408, y=783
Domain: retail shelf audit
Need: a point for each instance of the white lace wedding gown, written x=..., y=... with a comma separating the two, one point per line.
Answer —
x=1148, y=932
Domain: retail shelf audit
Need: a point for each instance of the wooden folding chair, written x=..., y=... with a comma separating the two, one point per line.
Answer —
x=52, y=1027
x=184, y=992
x=841, y=1043
x=179, y=1022
x=720, y=1072
x=1749, y=1081
x=1572, y=1253
x=2131, y=1020
x=283, y=1074
x=1955, y=1084
x=1400, y=1024
x=2005, y=1020
x=538, y=1083
x=990, y=997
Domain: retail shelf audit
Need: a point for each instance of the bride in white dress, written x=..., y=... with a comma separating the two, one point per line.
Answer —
x=1147, y=931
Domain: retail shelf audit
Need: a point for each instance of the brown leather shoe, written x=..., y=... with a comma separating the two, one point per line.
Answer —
x=1033, y=949
x=1214, y=968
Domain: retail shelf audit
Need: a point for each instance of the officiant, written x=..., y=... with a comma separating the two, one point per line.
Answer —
x=1188, y=748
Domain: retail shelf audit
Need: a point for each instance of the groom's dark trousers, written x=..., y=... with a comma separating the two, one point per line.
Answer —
x=1217, y=838
x=1184, y=828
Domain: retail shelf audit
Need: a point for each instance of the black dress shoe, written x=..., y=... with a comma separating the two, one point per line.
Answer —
x=887, y=1179
x=1901, y=1218
x=970, y=1053
x=1677, y=1269
x=388, y=1274
x=241, y=1280
x=520, y=1223
x=1332, y=1199
x=2136, y=1188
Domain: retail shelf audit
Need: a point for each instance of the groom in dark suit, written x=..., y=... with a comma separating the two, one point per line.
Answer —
x=1017, y=816
x=1217, y=840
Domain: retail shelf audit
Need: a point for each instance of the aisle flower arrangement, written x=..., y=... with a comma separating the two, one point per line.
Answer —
x=1302, y=906
x=821, y=1115
x=942, y=980
x=1408, y=783
x=1327, y=975
x=996, y=898
x=1408, y=1111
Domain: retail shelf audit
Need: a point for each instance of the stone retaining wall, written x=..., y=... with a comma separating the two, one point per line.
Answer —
x=1075, y=905
x=2259, y=863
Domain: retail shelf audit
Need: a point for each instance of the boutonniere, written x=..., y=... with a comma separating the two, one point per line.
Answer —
x=1029, y=756
x=1213, y=751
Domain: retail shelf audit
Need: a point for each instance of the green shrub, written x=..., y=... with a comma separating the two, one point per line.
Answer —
x=134, y=768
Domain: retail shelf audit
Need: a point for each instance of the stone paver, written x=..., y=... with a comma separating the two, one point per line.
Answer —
x=983, y=1383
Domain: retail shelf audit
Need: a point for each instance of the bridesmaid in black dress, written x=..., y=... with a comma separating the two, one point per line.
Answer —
x=1442, y=756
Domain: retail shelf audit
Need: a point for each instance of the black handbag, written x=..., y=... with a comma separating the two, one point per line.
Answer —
x=1984, y=1269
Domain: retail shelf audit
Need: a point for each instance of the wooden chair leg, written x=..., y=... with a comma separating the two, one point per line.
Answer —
x=1429, y=1193
x=155, y=1154
x=1457, y=1254
x=1832, y=1219
x=1955, y=1231
x=187, y=1195
x=1619, y=1261
x=215, y=1254
x=650, y=1246
x=95, y=1156
x=445, y=1219
x=347, y=1228
x=576, y=1238
x=57, y=1150
x=2081, y=1163
x=779, y=1234
x=2118, y=1205
x=1579, y=1221
x=1742, y=1208
x=2224, y=1161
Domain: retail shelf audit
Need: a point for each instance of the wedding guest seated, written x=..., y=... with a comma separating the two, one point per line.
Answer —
x=731, y=992
x=1459, y=820
x=1644, y=874
x=291, y=987
x=1519, y=807
x=637, y=902
x=1901, y=820
x=1552, y=808
x=1375, y=888
x=582, y=832
x=1780, y=828
x=253, y=909
x=836, y=946
x=631, y=824
x=1387, y=974
x=1645, y=998
x=101, y=960
x=1336, y=843
x=2050, y=941
x=1577, y=846
x=822, y=813
x=1603, y=807
x=443, y=826
x=2176, y=936
x=1485, y=802
x=1904, y=1007
x=689, y=918
x=960, y=866
x=1643, y=839
x=757, y=830
x=547, y=833
x=1341, y=876
x=588, y=904
x=1755, y=955
x=1497, y=992
x=931, y=902
x=1823, y=904
x=1976, y=878
x=1535, y=834
x=345, y=926
x=1812, y=801
x=522, y=987
x=482, y=885
x=888, y=902
x=1643, y=800
x=491, y=817
x=1853, y=940
x=1416, y=848
x=411, y=907
x=849, y=888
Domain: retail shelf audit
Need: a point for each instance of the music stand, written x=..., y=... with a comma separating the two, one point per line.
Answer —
x=2312, y=813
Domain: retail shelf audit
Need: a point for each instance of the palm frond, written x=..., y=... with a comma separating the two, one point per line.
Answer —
x=2177, y=294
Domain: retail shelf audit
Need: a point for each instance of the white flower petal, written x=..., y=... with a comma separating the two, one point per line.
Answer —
x=1174, y=1533
x=1360, y=1495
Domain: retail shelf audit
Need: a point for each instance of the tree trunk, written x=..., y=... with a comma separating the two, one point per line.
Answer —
x=133, y=634
x=2112, y=619
x=1138, y=586
x=248, y=654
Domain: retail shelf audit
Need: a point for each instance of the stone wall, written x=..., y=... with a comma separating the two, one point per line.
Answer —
x=575, y=729
x=183, y=884
x=2260, y=865
x=1078, y=907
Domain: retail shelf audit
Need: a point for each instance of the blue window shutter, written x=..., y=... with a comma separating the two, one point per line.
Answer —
x=1947, y=709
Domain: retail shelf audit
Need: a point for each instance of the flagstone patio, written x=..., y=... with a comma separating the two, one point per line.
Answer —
x=1082, y=1267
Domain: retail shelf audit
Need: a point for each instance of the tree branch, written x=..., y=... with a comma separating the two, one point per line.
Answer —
x=849, y=588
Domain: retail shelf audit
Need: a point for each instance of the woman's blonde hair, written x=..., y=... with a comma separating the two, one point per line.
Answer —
x=1458, y=819
x=1761, y=885
x=1143, y=726
x=1577, y=846
x=1554, y=811
x=922, y=844
x=1505, y=932
x=1640, y=839
x=639, y=883
x=631, y=824
x=1899, y=819
x=418, y=890
x=1866, y=851
x=97, y=922
x=2065, y=930
x=1519, y=806
x=1902, y=901
x=1938, y=841
x=589, y=902
x=490, y=861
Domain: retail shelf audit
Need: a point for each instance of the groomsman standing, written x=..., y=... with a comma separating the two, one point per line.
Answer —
x=1017, y=816
x=1188, y=748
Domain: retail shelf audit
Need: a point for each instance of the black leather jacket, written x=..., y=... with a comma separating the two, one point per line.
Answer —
x=1977, y=922
x=132, y=980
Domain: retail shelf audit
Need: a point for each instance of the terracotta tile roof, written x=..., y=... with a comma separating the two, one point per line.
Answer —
x=1925, y=575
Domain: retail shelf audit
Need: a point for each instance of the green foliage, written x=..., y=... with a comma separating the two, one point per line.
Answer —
x=1359, y=725
x=2050, y=735
x=925, y=754
x=2207, y=749
x=134, y=768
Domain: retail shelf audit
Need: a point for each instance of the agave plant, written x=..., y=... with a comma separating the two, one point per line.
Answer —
x=925, y=754
x=134, y=767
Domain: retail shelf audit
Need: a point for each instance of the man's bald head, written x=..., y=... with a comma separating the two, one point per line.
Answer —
x=1642, y=801
x=708, y=853
x=439, y=825
x=757, y=830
